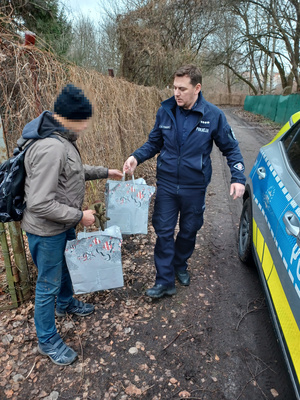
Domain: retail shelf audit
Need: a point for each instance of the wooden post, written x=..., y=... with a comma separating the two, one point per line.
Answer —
x=17, y=275
x=16, y=237
x=8, y=269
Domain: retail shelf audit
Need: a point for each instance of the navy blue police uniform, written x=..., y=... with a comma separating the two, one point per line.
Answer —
x=184, y=140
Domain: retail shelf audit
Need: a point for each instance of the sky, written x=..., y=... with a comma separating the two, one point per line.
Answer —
x=89, y=8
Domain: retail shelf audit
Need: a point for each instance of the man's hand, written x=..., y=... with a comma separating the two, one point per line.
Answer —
x=130, y=165
x=237, y=190
x=88, y=218
x=114, y=174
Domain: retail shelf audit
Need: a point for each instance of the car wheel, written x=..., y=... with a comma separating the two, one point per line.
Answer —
x=245, y=234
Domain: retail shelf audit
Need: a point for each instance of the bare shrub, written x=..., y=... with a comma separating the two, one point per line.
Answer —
x=124, y=113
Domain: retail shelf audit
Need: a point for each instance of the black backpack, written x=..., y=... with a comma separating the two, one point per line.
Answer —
x=12, y=180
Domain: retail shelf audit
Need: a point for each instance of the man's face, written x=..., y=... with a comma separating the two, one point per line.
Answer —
x=77, y=126
x=185, y=93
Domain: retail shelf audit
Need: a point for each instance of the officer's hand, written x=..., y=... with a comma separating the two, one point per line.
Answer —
x=237, y=190
x=88, y=218
x=130, y=165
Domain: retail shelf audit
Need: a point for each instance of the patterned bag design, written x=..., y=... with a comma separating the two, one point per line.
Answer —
x=127, y=205
x=94, y=260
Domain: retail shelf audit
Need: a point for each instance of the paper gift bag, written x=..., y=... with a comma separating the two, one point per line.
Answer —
x=94, y=260
x=127, y=204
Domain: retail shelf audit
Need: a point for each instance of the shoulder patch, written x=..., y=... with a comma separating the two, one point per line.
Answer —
x=232, y=134
x=239, y=166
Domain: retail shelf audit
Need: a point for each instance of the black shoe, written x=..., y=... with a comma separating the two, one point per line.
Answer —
x=183, y=278
x=158, y=291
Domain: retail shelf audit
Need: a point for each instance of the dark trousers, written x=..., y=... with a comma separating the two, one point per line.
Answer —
x=171, y=254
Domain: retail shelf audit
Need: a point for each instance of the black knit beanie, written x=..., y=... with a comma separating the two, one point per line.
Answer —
x=72, y=104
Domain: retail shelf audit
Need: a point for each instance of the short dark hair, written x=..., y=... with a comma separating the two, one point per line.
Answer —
x=192, y=71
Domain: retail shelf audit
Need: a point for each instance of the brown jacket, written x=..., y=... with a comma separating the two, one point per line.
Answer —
x=55, y=185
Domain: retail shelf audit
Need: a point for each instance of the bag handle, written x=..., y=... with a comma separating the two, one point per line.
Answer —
x=85, y=233
x=132, y=178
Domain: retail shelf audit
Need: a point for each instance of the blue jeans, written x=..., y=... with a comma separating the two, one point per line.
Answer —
x=171, y=255
x=53, y=281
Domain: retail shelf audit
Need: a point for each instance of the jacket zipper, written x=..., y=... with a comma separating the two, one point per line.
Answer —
x=170, y=113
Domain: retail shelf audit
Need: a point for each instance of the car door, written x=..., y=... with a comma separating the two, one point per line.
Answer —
x=277, y=218
x=288, y=239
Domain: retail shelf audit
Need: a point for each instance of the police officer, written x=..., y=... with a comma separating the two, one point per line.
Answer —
x=185, y=129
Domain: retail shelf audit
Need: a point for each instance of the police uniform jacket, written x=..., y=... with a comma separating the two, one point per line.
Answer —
x=188, y=164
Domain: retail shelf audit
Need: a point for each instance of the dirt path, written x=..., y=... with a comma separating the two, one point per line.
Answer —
x=213, y=340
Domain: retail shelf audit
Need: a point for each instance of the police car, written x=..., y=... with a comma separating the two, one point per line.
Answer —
x=269, y=234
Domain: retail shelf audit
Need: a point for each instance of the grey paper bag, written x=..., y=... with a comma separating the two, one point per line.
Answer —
x=94, y=260
x=127, y=204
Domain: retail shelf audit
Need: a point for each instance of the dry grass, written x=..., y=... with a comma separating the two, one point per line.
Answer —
x=30, y=80
x=124, y=113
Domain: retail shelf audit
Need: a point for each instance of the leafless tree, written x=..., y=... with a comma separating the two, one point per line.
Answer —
x=159, y=35
x=270, y=30
x=144, y=41
x=94, y=41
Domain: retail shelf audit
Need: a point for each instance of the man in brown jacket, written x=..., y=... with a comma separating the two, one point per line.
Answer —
x=54, y=192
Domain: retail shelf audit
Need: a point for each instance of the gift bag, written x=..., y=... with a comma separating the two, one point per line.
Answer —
x=94, y=260
x=127, y=204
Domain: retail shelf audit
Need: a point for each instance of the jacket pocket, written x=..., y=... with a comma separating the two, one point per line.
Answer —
x=160, y=159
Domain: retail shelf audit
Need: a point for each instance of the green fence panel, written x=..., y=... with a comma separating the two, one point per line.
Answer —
x=293, y=105
x=282, y=110
x=253, y=104
x=260, y=105
x=249, y=103
x=271, y=104
x=275, y=107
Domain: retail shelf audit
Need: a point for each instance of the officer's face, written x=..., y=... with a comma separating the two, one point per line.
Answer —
x=185, y=93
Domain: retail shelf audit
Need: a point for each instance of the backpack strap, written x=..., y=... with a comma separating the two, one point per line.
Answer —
x=25, y=146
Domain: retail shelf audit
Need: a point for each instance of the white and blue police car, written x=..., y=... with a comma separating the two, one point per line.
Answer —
x=269, y=234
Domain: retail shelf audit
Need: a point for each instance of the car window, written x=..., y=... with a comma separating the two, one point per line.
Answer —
x=291, y=143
